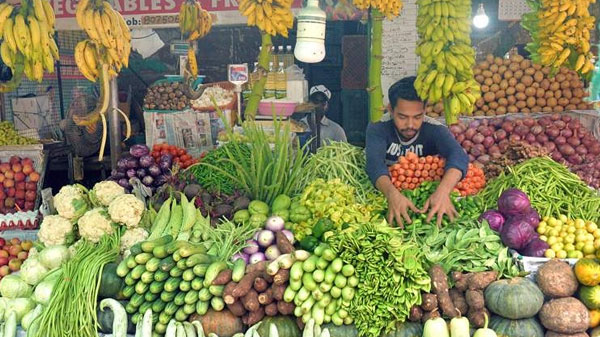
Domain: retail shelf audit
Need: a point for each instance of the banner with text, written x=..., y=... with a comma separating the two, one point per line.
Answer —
x=154, y=13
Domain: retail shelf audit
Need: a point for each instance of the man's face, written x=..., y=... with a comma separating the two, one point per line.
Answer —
x=408, y=118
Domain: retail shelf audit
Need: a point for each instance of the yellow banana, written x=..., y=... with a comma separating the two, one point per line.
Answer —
x=5, y=13
x=48, y=61
x=38, y=10
x=7, y=55
x=89, y=56
x=108, y=29
x=192, y=63
x=36, y=40
x=22, y=35
x=54, y=49
x=101, y=29
x=8, y=34
x=50, y=17
x=89, y=25
x=580, y=62
x=80, y=61
x=38, y=70
x=79, y=12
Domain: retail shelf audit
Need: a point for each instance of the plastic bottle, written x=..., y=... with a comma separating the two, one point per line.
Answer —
x=289, y=57
x=281, y=82
x=271, y=83
x=274, y=56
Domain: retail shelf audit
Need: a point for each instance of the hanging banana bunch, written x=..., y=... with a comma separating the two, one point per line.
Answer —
x=560, y=32
x=194, y=23
x=389, y=8
x=28, y=45
x=273, y=17
x=447, y=58
x=101, y=57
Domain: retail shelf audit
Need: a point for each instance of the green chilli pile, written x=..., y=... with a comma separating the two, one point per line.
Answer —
x=391, y=276
x=215, y=180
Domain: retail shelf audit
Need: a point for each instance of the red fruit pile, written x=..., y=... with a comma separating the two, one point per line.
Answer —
x=473, y=182
x=12, y=254
x=18, y=185
x=180, y=155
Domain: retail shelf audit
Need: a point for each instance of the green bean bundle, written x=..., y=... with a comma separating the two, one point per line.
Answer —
x=551, y=187
x=72, y=307
x=214, y=180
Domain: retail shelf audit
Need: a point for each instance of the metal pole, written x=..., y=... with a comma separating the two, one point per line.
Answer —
x=114, y=126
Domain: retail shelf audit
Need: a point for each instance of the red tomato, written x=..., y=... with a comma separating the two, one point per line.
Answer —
x=156, y=147
x=180, y=152
x=187, y=163
x=185, y=157
x=173, y=152
x=176, y=160
x=163, y=151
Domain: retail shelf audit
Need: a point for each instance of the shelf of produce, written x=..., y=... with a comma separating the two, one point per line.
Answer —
x=34, y=152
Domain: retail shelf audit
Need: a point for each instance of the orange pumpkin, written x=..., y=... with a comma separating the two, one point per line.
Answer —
x=594, y=318
x=222, y=323
x=587, y=272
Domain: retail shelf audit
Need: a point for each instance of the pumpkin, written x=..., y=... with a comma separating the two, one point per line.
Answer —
x=590, y=296
x=516, y=298
x=222, y=323
x=285, y=325
x=406, y=329
x=594, y=318
x=504, y=327
x=341, y=331
x=587, y=272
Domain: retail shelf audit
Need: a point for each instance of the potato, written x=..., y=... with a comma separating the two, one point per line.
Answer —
x=530, y=91
x=545, y=84
x=525, y=110
x=520, y=87
x=503, y=84
x=578, y=93
x=527, y=80
x=540, y=93
x=494, y=88
x=502, y=101
x=560, y=93
x=551, y=101
x=490, y=58
x=489, y=96
x=511, y=100
x=518, y=74
x=536, y=108
x=479, y=113
x=574, y=100
x=484, y=65
x=498, y=61
x=556, y=279
x=513, y=67
x=506, y=62
x=521, y=96
x=438, y=107
x=485, y=88
x=502, y=69
x=480, y=102
x=547, y=109
x=541, y=101
x=549, y=94
x=554, y=86
x=525, y=64
x=570, y=107
x=491, y=113
x=479, y=78
x=536, y=66
x=494, y=68
x=583, y=106
x=556, y=334
x=565, y=315
x=576, y=84
x=512, y=109
x=476, y=71
x=565, y=85
x=531, y=102
x=497, y=78
x=517, y=58
x=486, y=108
x=546, y=70
x=501, y=110
x=511, y=90
x=487, y=74
x=488, y=81
x=558, y=108
x=512, y=82
x=493, y=105
x=535, y=85
x=529, y=71
x=560, y=78
x=521, y=105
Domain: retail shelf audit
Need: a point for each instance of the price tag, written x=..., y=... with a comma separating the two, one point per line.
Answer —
x=238, y=73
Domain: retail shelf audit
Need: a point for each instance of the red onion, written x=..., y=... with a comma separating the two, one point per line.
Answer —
x=496, y=122
x=575, y=159
x=522, y=130
x=487, y=131
x=573, y=141
x=474, y=124
x=476, y=152
x=488, y=141
x=460, y=138
x=566, y=149
x=530, y=138
x=536, y=144
x=581, y=149
x=503, y=145
x=470, y=133
x=467, y=145
x=574, y=124
x=536, y=130
x=566, y=118
x=471, y=158
x=500, y=134
x=560, y=124
x=552, y=132
x=529, y=122
x=550, y=146
x=587, y=141
x=484, y=159
x=560, y=140
x=542, y=138
x=555, y=117
x=455, y=129
x=544, y=121
x=556, y=156
x=508, y=126
x=494, y=152
x=518, y=122
x=514, y=138
x=478, y=138
x=566, y=133
x=595, y=149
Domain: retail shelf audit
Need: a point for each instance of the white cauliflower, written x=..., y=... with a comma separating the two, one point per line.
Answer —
x=131, y=237
x=104, y=192
x=94, y=224
x=71, y=201
x=56, y=230
x=126, y=209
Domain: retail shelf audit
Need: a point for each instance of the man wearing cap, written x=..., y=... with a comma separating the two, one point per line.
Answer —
x=329, y=130
x=409, y=130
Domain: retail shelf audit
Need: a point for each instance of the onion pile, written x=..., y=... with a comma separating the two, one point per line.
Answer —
x=263, y=246
x=139, y=164
x=567, y=141
x=515, y=85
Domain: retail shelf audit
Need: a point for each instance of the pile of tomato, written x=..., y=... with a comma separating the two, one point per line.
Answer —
x=180, y=155
x=411, y=170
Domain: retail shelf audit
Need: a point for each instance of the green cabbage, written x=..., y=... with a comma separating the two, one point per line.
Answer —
x=43, y=291
x=54, y=256
x=21, y=306
x=12, y=286
x=32, y=271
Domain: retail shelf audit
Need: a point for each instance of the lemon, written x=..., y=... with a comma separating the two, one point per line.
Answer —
x=579, y=224
x=590, y=238
x=557, y=246
x=596, y=234
x=551, y=222
x=579, y=245
x=579, y=254
x=549, y=253
x=589, y=249
x=543, y=238
x=553, y=232
x=562, y=234
x=569, y=239
x=591, y=227
x=581, y=231
x=543, y=223
x=546, y=218
x=563, y=218
x=571, y=229
x=570, y=222
x=561, y=254
x=569, y=247
x=597, y=243
x=552, y=240
x=572, y=254
x=581, y=238
x=542, y=230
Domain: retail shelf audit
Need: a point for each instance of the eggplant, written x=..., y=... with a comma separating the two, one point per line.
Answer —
x=123, y=182
x=131, y=173
x=165, y=162
x=122, y=163
x=139, y=150
x=131, y=162
x=160, y=180
x=146, y=161
x=140, y=173
x=147, y=180
x=154, y=170
x=116, y=174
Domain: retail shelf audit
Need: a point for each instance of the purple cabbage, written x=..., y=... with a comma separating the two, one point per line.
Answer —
x=122, y=163
x=160, y=180
x=494, y=219
x=146, y=161
x=165, y=162
x=116, y=174
x=517, y=233
x=532, y=217
x=131, y=162
x=535, y=248
x=513, y=202
x=139, y=150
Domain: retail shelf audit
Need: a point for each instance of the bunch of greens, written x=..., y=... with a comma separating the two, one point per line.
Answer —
x=215, y=180
x=72, y=307
x=270, y=166
x=223, y=240
x=390, y=273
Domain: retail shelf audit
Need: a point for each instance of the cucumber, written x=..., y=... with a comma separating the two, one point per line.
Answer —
x=191, y=297
x=303, y=294
x=337, y=264
x=204, y=295
x=149, y=245
x=164, y=317
x=170, y=308
x=189, y=308
x=172, y=284
x=216, y=290
x=311, y=264
x=176, y=272
x=130, y=309
x=200, y=269
x=191, y=249
x=181, y=264
x=158, y=306
x=145, y=306
x=167, y=263
x=167, y=296
x=202, y=307
x=160, y=252
x=160, y=276
x=156, y=287
x=217, y=303
x=137, y=300
x=128, y=291
x=318, y=275
x=322, y=264
x=175, y=245
x=185, y=286
x=295, y=285
x=122, y=268
x=308, y=282
x=152, y=264
x=150, y=297
x=147, y=277
x=180, y=299
x=180, y=315
x=160, y=328
x=137, y=272
x=197, y=259
x=213, y=271
x=239, y=269
x=136, y=318
x=197, y=283
x=130, y=262
x=177, y=256
x=329, y=275
x=136, y=249
x=188, y=275
x=141, y=288
x=129, y=281
x=143, y=258
x=295, y=272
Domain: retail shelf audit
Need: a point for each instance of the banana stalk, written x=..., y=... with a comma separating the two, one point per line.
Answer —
x=376, y=107
x=259, y=86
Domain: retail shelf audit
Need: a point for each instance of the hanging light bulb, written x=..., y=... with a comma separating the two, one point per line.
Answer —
x=481, y=20
x=310, y=43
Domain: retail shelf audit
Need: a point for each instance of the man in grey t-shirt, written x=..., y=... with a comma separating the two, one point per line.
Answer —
x=329, y=130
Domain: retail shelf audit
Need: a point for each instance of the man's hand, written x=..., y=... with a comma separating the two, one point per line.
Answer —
x=398, y=206
x=439, y=203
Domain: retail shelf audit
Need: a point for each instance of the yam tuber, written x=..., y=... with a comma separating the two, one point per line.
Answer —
x=255, y=316
x=461, y=282
x=260, y=284
x=282, y=276
x=480, y=280
x=439, y=284
x=228, y=292
x=429, y=302
x=278, y=292
x=430, y=315
x=284, y=245
x=237, y=308
x=477, y=317
x=245, y=284
x=416, y=313
x=271, y=309
x=266, y=297
x=285, y=308
x=475, y=299
x=250, y=300
x=261, y=266
x=223, y=278
x=459, y=300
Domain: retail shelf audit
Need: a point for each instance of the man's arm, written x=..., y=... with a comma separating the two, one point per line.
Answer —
x=450, y=149
x=376, y=148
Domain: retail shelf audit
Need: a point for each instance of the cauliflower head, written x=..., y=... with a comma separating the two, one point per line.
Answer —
x=94, y=224
x=131, y=237
x=71, y=202
x=56, y=230
x=104, y=192
x=126, y=209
